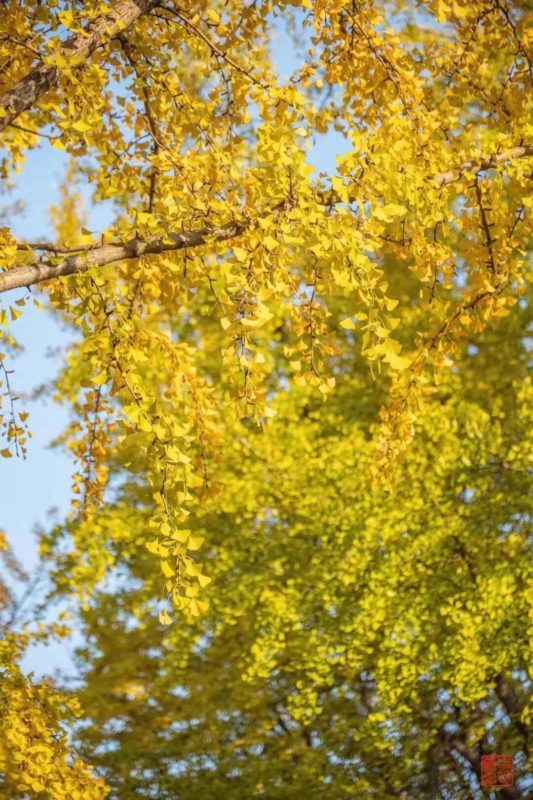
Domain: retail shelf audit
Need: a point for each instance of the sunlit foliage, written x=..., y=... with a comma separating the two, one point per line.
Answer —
x=300, y=406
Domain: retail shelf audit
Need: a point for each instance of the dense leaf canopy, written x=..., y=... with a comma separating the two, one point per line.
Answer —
x=300, y=401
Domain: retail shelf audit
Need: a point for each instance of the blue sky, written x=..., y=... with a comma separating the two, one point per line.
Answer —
x=34, y=489
x=31, y=488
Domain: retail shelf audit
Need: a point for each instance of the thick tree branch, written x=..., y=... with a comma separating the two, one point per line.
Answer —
x=121, y=15
x=99, y=256
x=89, y=256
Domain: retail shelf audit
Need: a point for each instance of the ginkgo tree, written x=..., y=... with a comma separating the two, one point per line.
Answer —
x=236, y=286
x=363, y=639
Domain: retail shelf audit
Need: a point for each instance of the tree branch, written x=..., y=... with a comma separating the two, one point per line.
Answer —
x=216, y=51
x=92, y=255
x=513, y=705
x=489, y=243
x=473, y=756
x=79, y=47
x=99, y=256
x=453, y=175
x=489, y=162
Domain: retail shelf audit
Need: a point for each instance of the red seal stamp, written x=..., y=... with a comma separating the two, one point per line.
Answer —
x=496, y=771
